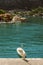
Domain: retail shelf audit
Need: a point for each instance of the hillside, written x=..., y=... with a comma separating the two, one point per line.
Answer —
x=20, y=4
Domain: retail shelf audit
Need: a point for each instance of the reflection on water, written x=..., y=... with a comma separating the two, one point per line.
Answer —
x=29, y=36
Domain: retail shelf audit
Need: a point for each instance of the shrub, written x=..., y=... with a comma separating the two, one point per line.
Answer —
x=2, y=11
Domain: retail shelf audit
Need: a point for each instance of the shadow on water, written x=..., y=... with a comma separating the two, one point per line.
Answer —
x=37, y=19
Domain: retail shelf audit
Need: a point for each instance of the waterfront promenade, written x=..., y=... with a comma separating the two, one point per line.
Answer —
x=19, y=61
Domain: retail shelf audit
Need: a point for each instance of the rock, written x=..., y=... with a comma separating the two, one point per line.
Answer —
x=7, y=17
x=1, y=17
x=18, y=19
x=23, y=19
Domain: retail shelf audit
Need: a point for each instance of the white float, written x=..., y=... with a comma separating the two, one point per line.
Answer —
x=21, y=52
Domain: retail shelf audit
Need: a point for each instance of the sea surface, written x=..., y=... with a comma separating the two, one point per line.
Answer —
x=28, y=35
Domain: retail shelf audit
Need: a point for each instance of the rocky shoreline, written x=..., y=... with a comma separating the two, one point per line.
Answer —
x=13, y=16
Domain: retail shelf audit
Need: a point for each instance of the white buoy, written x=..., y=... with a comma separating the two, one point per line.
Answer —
x=21, y=52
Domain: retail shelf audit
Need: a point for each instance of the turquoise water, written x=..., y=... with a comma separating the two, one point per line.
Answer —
x=29, y=36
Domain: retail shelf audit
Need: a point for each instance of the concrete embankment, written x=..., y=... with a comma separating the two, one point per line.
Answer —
x=20, y=61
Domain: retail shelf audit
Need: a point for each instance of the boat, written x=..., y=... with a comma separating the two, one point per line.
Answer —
x=21, y=52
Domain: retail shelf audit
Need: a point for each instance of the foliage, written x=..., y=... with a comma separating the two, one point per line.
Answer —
x=38, y=10
x=2, y=11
